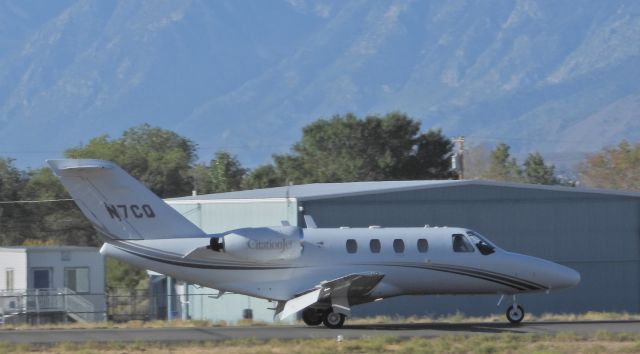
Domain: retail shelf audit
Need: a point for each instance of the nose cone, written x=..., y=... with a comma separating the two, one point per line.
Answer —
x=563, y=277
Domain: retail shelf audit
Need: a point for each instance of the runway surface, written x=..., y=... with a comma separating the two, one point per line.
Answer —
x=301, y=332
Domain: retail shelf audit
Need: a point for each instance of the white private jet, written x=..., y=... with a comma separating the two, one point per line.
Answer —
x=321, y=272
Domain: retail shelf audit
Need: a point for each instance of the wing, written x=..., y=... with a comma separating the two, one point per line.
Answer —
x=340, y=293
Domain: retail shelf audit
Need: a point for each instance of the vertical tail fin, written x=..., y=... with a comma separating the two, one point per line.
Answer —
x=117, y=204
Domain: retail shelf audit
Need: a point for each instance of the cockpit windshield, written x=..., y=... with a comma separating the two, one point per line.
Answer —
x=482, y=244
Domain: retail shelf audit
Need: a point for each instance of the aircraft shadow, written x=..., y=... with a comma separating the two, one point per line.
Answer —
x=490, y=327
x=439, y=327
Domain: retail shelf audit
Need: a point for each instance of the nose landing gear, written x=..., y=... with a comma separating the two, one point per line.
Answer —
x=515, y=312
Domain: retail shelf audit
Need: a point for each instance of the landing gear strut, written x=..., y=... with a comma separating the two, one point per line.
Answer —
x=515, y=312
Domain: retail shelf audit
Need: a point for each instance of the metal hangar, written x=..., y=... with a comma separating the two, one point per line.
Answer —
x=596, y=232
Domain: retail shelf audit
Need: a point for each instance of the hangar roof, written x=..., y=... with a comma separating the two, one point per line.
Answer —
x=316, y=191
x=23, y=249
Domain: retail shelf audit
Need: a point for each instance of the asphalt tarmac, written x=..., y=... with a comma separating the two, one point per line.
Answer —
x=302, y=332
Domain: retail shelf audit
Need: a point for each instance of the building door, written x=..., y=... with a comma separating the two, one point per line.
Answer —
x=42, y=278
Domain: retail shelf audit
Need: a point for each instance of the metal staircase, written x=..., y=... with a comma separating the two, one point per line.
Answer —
x=79, y=308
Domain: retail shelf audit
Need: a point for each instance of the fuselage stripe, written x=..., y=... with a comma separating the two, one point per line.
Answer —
x=474, y=273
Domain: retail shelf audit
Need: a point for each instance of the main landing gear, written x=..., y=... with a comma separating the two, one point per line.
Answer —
x=313, y=317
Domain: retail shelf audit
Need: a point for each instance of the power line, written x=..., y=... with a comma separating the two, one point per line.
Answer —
x=34, y=201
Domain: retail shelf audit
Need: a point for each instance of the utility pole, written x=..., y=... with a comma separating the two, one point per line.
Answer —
x=457, y=160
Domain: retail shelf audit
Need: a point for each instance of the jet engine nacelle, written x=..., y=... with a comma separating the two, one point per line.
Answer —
x=263, y=244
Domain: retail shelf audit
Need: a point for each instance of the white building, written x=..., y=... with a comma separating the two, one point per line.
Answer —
x=52, y=283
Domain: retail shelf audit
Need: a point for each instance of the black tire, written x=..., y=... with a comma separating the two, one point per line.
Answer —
x=515, y=315
x=333, y=320
x=312, y=317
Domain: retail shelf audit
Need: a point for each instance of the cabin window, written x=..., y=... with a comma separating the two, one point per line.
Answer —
x=352, y=246
x=461, y=244
x=374, y=245
x=483, y=245
x=398, y=245
x=77, y=279
x=8, y=279
x=423, y=245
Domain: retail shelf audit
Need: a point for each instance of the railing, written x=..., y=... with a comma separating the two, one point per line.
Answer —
x=42, y=301
x=11, y=302
x=120, y=305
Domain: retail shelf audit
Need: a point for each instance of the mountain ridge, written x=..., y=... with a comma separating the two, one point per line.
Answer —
x=555, y=76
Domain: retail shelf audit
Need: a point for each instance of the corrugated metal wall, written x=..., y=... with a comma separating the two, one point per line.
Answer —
x=224, y=215
x=598, y=235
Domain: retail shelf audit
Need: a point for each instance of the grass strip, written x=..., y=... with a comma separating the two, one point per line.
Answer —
x=563, y=342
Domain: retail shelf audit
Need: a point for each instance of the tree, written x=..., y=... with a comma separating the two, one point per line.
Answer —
x=432, y=160
x=617, y=168
x=476, y=161
x=50, y=223
x=11, y=180
x=346, y=148
x=537, y=172
x=264, y=176
x=14, y=218
x=121, y=275
x=223, y=174
x=159, y=158
x=201, y=179
x=226, y=173
x=61, y=222
x=502, y=166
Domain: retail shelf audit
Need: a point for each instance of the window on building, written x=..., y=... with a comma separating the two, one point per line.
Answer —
x=41, y=278
x=375, y=245
x=352, y=246
x=461, y=244
x=398, y=245
x=65, y=256
x=77, y=279
x=8, y=279
x=423, y=245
